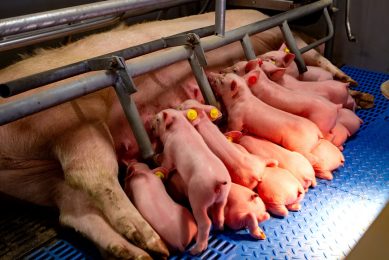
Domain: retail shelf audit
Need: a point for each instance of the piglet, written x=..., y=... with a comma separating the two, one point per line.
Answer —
x=174, y=223
x=350, y=120
x=294, y=162
x=283, y=58
x=335, y=91
x=338, y=135
x=245, y=209
x=280, y=191
x=245, y=111
x=245, y=169
x=329, y=158
x=206, y=179
x=313, y=107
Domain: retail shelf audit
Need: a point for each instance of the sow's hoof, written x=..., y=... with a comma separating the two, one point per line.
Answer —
x=363, y=100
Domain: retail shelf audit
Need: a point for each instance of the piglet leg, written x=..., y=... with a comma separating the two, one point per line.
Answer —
x=251, y=222
x=89, y=163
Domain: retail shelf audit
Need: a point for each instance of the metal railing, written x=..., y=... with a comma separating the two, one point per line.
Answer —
x=191, y=49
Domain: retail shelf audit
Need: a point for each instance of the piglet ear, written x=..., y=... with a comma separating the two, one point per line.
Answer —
x=252, y=64
x=167, y=119
x=288, y=59
x=234, y=87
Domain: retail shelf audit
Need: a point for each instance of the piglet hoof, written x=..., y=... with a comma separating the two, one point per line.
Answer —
x=198, y=248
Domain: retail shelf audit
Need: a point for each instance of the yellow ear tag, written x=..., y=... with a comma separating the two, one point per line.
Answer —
x=159, y=174
x=230, y=139
x=214, y=113
x=191, y=114
x=273, y=61
x=286, y=50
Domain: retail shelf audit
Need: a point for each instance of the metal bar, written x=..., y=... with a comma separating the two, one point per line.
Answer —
x=135, y=121
x=23, y=107
x=158, y=60
x=292, y=45
x=202, y=81
x=350, y=35
x=279, y=5
x=330, y=34
x=40, y=79
x=30, y=22
x=220, y=17
x=248, y=47
x=22, y=40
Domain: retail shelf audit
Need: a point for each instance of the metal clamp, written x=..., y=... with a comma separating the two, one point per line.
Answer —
x=124, y=87
x=189, y=39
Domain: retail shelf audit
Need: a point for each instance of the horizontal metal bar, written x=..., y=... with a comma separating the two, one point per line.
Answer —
x=158, y=60
x=330, y=34
x=279, y=5
x=15, y=87
x=31, y=22
x=25, y=39
x=14, y=110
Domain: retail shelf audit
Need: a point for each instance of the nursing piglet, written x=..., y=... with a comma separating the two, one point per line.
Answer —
x=284, y=59
x=245, y=169
x=244, y=208
x=280, y=191
x=315, y=108
x=294, y=162
x=329, y=158
x=335, y=91
x=206, y=178
x=174, y=223
x=245, y=111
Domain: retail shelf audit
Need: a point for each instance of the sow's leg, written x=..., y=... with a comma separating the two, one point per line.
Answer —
x=89, y=163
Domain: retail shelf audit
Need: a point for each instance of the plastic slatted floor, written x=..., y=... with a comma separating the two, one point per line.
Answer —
x=334, y=215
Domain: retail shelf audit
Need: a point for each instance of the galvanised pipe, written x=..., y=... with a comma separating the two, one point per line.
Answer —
x=20, y=108
x=15, y=25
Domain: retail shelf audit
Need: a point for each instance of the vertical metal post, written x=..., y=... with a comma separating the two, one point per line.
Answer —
x=220, y=17
x=291, y=43
x=202, y=81
x=248, y=47
x=133, y=117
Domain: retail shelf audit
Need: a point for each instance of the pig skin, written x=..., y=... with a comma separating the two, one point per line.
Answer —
x=280, y=191
x=330, y=158
x=335, y=91
x=290, y=131
x=84, y=136
x=294, y=162
x=315, y=108
x=244, y=168
x=174, y=223
x=206, y=178
x=43, y=184
x=350, y=120
x=285, y=59
x=245, y=209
